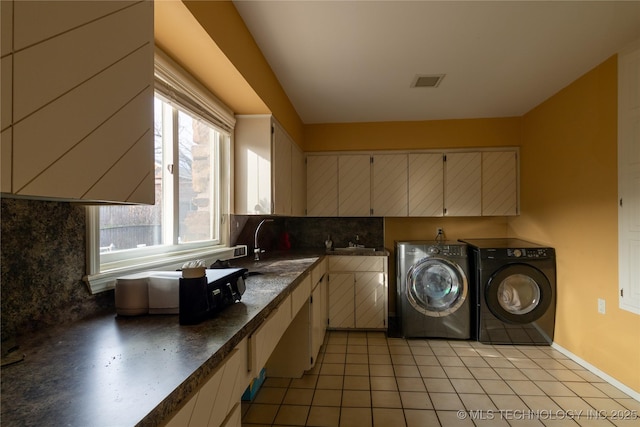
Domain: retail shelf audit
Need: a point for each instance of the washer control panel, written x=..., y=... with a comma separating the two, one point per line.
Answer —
x=447, y=250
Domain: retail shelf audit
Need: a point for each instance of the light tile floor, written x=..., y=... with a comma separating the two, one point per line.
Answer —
x=367, y=379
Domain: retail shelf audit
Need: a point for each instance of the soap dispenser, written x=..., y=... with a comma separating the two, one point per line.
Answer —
x=328, y=243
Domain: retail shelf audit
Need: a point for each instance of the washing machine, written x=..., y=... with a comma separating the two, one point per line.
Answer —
x=433, y=294
x=515, y=291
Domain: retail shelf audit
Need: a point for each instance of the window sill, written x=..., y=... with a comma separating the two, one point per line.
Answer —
x=106, y=279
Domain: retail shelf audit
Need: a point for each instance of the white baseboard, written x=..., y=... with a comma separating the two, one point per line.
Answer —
x=631, y=392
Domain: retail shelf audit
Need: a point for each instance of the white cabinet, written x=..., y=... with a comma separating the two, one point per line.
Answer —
x=358, y=292
x=268, y=169
x=389, y=185
x=341, y=300
x=300, y=295
x=322, y=185
x=354, y=185
x=463, y=184
x=426, y=184
x=318, y=315
x=6, y=83
x=339, y=185
x=281, y=172
x=416, y=184
x=499, y=183
x=217, y=402
x=298, y=181
x=264, y=340
x=82, y=130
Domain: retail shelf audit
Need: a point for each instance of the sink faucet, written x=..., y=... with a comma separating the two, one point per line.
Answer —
x=256, y=249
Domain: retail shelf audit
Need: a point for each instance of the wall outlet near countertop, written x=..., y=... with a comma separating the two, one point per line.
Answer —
x=601, y=306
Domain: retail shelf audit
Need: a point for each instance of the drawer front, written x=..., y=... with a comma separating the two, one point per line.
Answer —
x=317, y=273
x=264, y=340
x=356, y=263
x=219, y=396
x=300, y=295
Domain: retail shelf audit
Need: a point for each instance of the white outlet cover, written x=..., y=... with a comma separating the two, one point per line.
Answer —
x=601, y=306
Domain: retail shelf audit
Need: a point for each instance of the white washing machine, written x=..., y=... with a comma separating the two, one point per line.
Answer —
x=433, y=289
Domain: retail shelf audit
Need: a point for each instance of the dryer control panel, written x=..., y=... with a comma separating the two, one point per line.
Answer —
x=527, y=252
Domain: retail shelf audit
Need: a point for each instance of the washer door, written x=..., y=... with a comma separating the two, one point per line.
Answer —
x=518, y=293
x=436, y=286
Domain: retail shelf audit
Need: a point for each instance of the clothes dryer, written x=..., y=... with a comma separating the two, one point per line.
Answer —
x=515, y=284
x=433, y=294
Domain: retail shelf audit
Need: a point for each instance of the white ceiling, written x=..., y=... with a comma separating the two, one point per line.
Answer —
x=354, y=61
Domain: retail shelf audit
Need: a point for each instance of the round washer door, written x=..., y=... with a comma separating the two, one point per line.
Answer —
x=436, y=286
x=518, y=293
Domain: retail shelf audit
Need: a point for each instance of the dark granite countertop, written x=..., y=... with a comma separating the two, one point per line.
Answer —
x=113, y=370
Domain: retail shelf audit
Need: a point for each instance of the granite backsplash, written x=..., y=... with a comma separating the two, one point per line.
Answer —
x=43, y=257
x=306, y=233
x=42, y=262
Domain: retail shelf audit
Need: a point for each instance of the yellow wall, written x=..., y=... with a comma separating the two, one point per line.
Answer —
x=568, y=171
x=413, y=135
x=223, y=23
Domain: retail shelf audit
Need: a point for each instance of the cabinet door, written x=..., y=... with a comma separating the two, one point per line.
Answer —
x=341, y=300
x=264, y=340
x=298, y=181
x=6, y=89
x=463, y=184
x=354, y=185
x=389, y=187
x=253, y=158
x=84, y=129
x=426, y=183
x=318, y=319
x=322, y=185
x=281, y=172
x=370, y=300
x=300, y=295
x=499, y=183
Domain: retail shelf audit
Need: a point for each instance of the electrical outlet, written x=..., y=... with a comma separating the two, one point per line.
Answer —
x=439, y=231
x=601, y=306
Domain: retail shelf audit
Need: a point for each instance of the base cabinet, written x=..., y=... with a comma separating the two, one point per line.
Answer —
x=358, y=292
x=217, y=402
x=287, y=343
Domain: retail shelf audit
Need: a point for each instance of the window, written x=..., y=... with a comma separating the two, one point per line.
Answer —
x=191, y=145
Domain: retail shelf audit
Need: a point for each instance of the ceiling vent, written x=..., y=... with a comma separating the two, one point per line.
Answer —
x=427, y=80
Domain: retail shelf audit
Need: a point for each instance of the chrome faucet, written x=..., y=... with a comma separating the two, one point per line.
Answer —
x=256, y=249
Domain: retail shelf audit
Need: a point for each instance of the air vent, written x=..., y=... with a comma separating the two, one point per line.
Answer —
x=427, y=80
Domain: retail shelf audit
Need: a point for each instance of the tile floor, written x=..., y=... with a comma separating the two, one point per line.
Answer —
x=367, y=379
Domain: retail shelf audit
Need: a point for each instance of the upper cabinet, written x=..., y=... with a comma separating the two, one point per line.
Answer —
x=426, y=184
x=269, y=168
x=78, y=121
x=463, y=184
x=499, y=183
x=354, y=185
x=389, y=186
x=298, y=181
x=415, y=184
x=322, y=185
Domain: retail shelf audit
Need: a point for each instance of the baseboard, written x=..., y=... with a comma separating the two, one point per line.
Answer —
x=625, y=389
